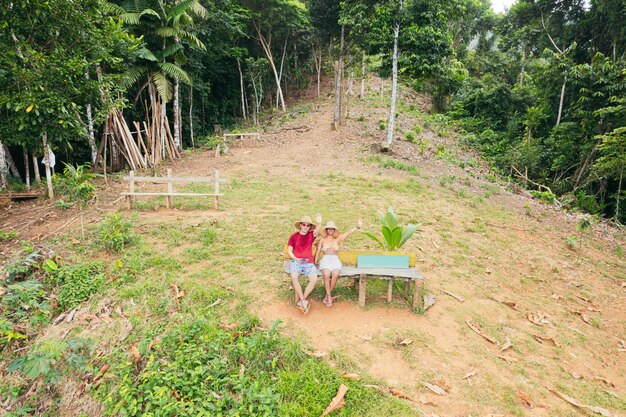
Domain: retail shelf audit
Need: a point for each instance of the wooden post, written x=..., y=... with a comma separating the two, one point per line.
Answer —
x=390, y=290
x=362, y=287
x=129, y=198
x=407, y=288
x=217, y=189
x=169, y=200
x=417, y=294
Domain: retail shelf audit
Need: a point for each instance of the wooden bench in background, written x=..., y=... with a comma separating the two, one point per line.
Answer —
x=169, y=194
x=229, y=137
x=363, y=265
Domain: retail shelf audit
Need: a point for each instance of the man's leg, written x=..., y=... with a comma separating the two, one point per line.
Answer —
x=309, y=288
x=295, y=283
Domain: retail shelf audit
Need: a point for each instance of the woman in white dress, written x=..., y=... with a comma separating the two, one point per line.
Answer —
x=330, y=265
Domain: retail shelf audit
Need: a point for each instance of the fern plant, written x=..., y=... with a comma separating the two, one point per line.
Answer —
x=394, y=236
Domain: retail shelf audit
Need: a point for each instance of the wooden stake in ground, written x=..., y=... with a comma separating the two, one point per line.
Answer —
x=46, y=152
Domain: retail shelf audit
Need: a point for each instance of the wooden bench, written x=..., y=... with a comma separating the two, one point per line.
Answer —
x=231, y=136
x=350, y=260
x=169, y=194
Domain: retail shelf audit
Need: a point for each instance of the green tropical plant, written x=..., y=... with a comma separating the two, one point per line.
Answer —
x=394, y=235
x=75, y=183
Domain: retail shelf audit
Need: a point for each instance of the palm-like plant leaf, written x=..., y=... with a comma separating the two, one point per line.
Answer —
x=145, y=53
x=132, y=76
x=130, y=18
x=396, y=235
x=149, y=12
x=174, y=71
x=171, y=50
x=375, y=238
x=407, y=232
x=163, y=86
x=383, y=219
x=111, y=8
x=392, y=220
x=189, y=5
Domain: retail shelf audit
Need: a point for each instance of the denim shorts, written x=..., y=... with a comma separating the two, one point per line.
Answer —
x=298, y=268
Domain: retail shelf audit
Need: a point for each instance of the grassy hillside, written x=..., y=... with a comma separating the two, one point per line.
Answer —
x=194, y=316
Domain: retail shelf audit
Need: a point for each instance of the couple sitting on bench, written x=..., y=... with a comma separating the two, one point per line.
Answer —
x=300, y=250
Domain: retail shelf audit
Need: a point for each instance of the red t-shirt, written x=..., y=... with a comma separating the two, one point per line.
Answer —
x=302, y=245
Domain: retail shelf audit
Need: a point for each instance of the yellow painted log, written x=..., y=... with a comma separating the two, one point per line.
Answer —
x=349, y=257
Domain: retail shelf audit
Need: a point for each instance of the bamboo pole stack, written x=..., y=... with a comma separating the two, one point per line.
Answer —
x=148, y=148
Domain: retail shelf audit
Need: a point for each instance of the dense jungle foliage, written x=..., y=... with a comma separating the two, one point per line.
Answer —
x=539, y=90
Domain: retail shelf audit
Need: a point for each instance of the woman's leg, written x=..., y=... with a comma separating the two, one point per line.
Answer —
x=334, y=279
x=326, y=275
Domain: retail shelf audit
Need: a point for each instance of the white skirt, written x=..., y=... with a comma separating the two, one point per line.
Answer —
x=330, y=262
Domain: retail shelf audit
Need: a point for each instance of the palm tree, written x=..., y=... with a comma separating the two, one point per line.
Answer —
x=164, y=26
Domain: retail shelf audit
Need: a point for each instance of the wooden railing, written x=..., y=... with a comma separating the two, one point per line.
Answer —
x=170, y=194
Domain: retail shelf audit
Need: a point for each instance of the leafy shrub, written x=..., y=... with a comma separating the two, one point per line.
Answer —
x=48, y=358
x=394, y=235
x=410, y=136
x=209, y=370
x=544, y=196
x=7, y=235
x=78, y=283
x=8, y=333
x=115, y=232
x=25, y=299
x=382, y=125
x=75, y=183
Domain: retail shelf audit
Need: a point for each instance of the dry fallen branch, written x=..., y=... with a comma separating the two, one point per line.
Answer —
x=402, y=395
x=337, y=402
x=225, y=326
x=539, y=318
x=434, y=388
x=576, y=403
x=353, y=376
x=456, y=297
x=510, y=304
x=542, y=339
x=472, y=372
x=214, y=303
x=476, y=328
x=525, y=399
x=507, y=345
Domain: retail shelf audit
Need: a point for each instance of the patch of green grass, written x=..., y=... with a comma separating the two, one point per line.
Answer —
x=384, y=162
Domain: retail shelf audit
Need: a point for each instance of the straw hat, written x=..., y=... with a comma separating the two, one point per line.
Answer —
x=305, y=219
x=331, y=225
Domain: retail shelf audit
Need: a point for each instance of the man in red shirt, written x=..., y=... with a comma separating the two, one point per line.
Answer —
x=300, y=249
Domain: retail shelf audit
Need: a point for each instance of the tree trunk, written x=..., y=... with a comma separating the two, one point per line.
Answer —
x=241, y=87
x=580, y=174
x=350, y=80
x=619, y=193
x=46, y=154
x=338, y=86
x=3, y=167
x=382, y=88
x=558, y=118
x=521, y=74
x=26, y=167
x=36, y=169
x=394, y=83
x=362, y=93
x=176, y=114
x=266, y=46
x=280, y=73
x=163, y=132
x=11, y=163
x=92, y=138
x=318, y=67
x=193, y=145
